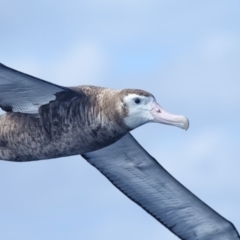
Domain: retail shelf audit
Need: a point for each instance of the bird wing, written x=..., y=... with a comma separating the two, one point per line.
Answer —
x=140, y=177
x=20, y=92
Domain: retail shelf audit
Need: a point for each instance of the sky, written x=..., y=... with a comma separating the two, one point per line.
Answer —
x=186, y=53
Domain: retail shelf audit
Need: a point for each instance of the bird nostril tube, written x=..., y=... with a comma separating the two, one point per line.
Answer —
x=158, y=110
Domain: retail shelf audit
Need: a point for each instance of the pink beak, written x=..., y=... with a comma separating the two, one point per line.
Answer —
x=162, y=116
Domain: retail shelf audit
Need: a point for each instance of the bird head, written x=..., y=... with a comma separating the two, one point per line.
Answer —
x=140, y=107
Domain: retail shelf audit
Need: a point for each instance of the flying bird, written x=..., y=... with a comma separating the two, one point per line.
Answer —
x=45, y=121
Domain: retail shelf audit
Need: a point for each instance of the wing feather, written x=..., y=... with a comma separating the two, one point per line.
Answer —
x=20, y=92
x=139, y=176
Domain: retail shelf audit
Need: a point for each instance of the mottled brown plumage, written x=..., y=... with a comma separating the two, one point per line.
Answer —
x=139, y=92
x=84, y=120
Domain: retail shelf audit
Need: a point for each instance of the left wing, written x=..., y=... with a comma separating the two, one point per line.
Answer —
x=20, y=92
x=139, y=176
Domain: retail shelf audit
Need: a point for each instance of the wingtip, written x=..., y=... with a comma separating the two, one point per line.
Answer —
x=2, y=65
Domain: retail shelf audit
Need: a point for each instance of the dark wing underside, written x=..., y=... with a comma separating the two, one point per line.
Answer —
x=20, y=92
x=139, y=176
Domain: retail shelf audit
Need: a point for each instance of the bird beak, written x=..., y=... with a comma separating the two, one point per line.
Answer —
x=162, y=116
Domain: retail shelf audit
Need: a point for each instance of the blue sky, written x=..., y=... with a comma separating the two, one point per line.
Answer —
x=185, y=53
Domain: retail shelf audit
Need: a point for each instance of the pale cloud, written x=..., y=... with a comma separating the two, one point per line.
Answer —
x=207, y=73
x=220, y=47
x=83, y=64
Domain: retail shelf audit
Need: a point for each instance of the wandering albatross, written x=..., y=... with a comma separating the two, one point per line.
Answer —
x=44, y=121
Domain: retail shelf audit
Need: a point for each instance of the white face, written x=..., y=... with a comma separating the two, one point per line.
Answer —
x=139, y=110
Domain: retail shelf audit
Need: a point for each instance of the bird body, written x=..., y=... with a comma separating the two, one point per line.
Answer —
x=44, y=121
x=72, y=124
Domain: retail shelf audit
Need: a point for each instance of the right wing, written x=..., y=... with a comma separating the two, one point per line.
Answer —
x=140, y=177
x=23, y=93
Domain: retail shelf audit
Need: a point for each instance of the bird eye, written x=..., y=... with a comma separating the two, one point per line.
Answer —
x=137, y=100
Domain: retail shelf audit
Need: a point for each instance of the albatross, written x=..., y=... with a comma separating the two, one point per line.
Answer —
x=44, y=121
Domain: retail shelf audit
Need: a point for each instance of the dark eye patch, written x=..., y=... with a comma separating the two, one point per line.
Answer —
x=137, y=100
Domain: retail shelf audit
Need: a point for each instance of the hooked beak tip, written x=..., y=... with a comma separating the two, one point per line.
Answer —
x=162, y=116
x=185, y=123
